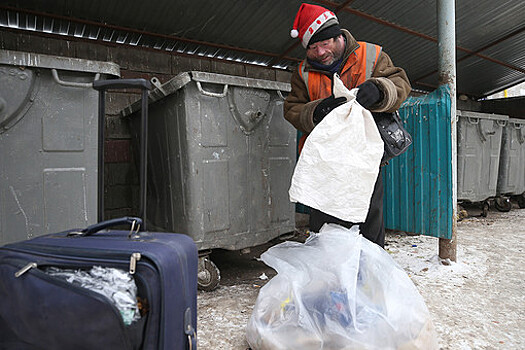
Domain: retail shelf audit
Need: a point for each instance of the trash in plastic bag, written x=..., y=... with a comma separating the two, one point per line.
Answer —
x=338, y=291
x=339, y=163
x=117, y=285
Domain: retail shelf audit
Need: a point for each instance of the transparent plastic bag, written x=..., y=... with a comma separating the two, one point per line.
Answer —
x=117, y=285
x=338, y=291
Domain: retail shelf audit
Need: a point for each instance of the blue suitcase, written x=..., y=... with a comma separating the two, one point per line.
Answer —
x=41, y=312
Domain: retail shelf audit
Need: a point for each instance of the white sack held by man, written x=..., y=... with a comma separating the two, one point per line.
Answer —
x=339, y=163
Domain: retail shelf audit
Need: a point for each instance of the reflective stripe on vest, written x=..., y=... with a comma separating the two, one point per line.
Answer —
x=304, y=74
x=357, y=69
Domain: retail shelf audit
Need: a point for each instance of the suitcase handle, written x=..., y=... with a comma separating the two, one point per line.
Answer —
x=135, y=223
x=102, y=86
x=189, y=330
x=121, y=84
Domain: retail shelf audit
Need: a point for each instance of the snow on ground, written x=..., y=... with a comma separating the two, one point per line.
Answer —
x=477, y=302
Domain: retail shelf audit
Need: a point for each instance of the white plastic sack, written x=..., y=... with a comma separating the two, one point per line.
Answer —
x=339, y=163
x=338, y=291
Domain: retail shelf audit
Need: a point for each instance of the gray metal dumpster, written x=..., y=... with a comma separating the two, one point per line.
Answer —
x=220, y=159
x=48, y=143
x=478, y=145
x=511, y=176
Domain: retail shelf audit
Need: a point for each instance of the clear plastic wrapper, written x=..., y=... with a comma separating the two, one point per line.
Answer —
x=117, y=285
x=338, y=291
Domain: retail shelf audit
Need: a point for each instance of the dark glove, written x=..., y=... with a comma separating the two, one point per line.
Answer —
x=368, y=94
x=326, y=106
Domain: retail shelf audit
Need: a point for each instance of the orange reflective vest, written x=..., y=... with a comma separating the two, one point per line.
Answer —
x=357, y=68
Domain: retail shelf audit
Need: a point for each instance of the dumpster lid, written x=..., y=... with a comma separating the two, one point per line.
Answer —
x=176, y=83
x=205, y=77
x=518, y=121
x=27, y=59
x=471, y=114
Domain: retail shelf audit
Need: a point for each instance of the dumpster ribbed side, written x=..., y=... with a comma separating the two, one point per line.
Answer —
x=418, y=184
x=479, y=144
x=221, y=156
x=48, y=143
x=511, y=174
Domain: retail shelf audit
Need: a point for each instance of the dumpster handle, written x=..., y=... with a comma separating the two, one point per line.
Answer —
x=521, y=139
x=501, y=122
x=473, y=120
x=482, y=135
x=212, y=94
x=72, y=83
x=280, y=94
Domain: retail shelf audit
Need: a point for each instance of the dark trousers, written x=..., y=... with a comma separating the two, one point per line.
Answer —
x=373, y=228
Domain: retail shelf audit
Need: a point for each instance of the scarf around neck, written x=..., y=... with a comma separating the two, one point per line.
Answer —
x=332, y=68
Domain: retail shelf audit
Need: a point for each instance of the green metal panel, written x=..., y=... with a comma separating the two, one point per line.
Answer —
x=418, y=184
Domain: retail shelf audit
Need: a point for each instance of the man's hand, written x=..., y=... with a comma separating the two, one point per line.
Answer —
x=368, y=94
x=326, y=106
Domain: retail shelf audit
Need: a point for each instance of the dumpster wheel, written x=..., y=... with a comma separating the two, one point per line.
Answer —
x=502, y=204
x=462, y=213
x=521, y=200
x=485, y=209
x=208, y=275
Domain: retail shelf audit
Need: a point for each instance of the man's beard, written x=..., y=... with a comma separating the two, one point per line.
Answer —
x=337, y=54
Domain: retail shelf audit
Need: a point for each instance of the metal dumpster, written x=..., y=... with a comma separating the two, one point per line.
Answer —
x=511, y=175
x=220, y=159
x=48, y=143
x=478, y=145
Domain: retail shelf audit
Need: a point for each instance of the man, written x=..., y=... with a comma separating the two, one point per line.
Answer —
x=382, y=88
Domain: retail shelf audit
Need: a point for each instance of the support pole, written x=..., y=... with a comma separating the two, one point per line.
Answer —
x=100, y=155
x=446, y=18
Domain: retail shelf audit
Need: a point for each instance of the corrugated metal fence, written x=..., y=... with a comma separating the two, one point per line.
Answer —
x=418, y=184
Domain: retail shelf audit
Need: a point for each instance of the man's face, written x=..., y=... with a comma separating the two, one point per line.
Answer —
x=327, y=51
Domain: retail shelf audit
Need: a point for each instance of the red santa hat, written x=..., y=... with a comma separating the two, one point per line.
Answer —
x=310, y=19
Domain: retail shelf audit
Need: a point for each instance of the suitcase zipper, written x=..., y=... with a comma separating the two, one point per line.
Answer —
x=133, y=262
x=132, y=265
x=87, y=260
x=26, y=268
x=102, y=257
x=33, y=265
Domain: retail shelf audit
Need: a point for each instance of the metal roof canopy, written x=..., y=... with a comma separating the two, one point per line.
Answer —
x=490, y=34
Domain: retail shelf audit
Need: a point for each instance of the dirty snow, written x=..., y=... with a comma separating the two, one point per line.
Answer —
x=477, y=302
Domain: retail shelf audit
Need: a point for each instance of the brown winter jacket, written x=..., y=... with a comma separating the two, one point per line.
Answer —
x=392, y=81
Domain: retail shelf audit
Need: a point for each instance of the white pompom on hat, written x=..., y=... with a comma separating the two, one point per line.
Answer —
x=309, y=19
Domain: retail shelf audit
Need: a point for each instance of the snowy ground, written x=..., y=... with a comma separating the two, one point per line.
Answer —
x=477, y=302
